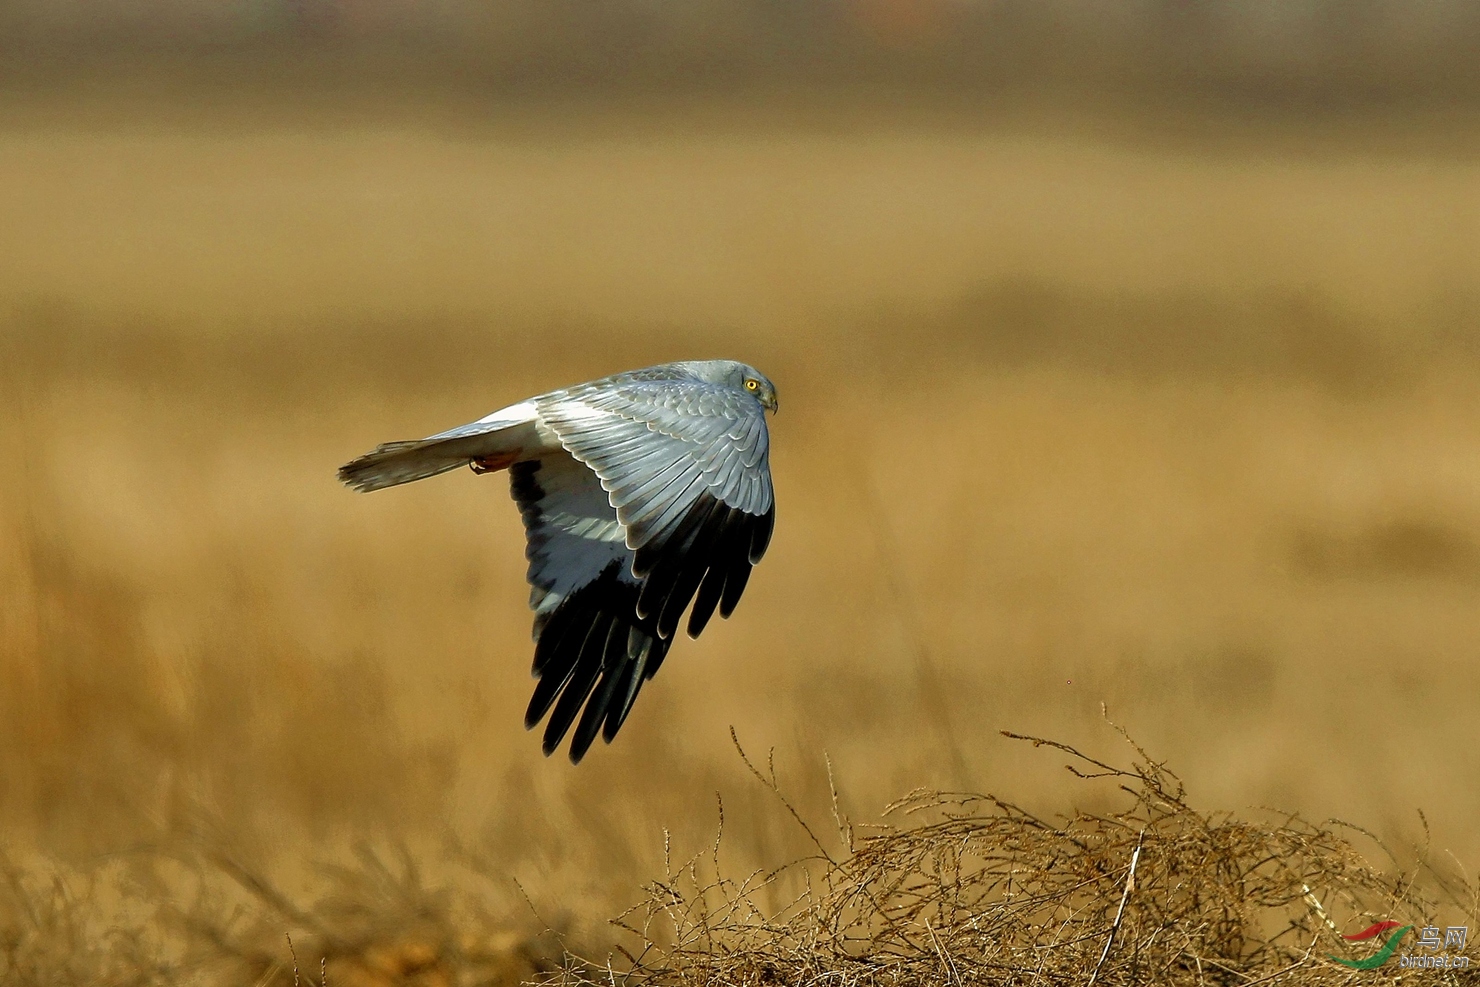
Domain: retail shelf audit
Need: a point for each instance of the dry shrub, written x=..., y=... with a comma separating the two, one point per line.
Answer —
x=965, y=889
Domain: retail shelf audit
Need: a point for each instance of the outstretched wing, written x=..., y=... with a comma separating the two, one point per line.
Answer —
x=665, y=493
x=685, y=465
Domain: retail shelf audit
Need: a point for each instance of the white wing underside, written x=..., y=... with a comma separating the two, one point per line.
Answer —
x=575, y=536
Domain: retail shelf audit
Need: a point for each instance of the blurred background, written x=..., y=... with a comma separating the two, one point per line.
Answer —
x=1127, y=355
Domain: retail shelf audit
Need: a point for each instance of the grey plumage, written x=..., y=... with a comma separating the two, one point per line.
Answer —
x=640, y=493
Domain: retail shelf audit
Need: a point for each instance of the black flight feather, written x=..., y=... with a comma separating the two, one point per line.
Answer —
x=613, y=662
x=588, y=667
x=692, y=566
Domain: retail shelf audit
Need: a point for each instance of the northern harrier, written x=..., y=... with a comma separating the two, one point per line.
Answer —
x=639, y=492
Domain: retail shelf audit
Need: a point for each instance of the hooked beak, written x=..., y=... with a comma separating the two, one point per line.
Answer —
x=770, y=403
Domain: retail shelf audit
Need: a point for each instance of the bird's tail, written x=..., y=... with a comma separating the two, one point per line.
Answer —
x=491, y=446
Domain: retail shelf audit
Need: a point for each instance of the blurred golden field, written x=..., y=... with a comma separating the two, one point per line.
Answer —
x=1074, y=412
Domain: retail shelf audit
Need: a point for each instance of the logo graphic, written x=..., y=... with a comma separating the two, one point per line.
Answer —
x=1380, y=957
x=1428, y=940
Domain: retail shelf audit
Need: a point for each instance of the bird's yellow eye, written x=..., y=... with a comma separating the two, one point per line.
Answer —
x=751, y=385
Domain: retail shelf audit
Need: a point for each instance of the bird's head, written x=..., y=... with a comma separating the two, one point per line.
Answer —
x=742, y=377
x=752, y=381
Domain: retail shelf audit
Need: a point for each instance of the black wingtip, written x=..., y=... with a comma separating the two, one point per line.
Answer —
x=760, y=537
x=613, y=661
x=592, y=657
x=600, y=644
x=735, y=581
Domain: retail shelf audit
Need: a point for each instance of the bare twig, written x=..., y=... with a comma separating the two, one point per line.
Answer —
x=949, y=968
x=1130, y=885
x=297, y=982
x=775, y=787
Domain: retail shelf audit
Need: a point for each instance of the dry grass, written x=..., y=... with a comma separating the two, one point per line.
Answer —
x=186, y=914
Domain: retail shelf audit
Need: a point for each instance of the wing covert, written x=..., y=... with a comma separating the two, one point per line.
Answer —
x=657, y=445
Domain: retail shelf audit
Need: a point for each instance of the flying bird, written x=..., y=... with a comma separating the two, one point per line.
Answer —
x=639, y=492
